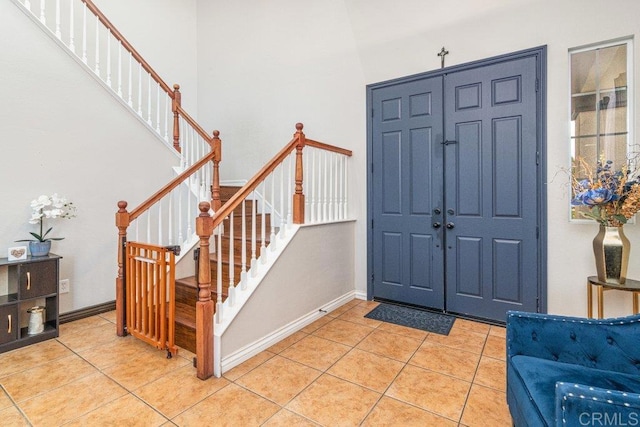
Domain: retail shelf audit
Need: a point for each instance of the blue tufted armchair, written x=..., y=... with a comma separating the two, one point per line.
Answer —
x=569, y=371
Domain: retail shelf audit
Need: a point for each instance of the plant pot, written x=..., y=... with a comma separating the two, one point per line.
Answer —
x=611, y=249
x=40, y=248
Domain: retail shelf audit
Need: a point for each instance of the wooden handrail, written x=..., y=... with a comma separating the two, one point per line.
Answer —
x=94, y=9
x=253, y=183
x=135, y=213
x=193, y=124
x=328, y=147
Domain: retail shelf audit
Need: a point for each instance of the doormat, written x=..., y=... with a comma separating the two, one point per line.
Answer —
x=412, y=318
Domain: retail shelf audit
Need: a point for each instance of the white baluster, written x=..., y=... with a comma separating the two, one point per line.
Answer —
x=97, y=68
x=232, y=288
x=130, y=81
x=272, y=236
x=140, y=89
x=120, y=69
x=58, y=32
x=166, y=119
x=346, y=192
x=340, y=186
x=180, y=195
x=149, y=99
x=243, y=256
x=189, y=215
x=283, y=218
x=72, y=24
x=160, y=236
x=313, y=188
x=219, y=275
x=84, y=32
x=27, y=4
x=148, y=225
x=109, y=58
x=158, y=108
x=263, y=224
x=254, y=265
x=43, y=19
x=170, y=230
x=289, y=193
x=334, y=195
x=325, y=179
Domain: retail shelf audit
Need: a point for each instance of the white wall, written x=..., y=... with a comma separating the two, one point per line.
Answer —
x=164, y=33
x=288, y=293
x=62, y=132
x=270, y=64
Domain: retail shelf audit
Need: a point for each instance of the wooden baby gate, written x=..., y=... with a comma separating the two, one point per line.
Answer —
x=150, y=295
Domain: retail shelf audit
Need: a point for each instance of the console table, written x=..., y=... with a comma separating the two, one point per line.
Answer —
x=629, y=285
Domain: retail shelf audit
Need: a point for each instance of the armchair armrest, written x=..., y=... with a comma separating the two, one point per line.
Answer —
x=581, y=405
x=609, y=344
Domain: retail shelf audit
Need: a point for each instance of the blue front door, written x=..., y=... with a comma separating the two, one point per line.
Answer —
x=455, y=189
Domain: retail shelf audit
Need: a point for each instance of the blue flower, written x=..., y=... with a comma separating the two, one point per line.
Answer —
x=598, y=196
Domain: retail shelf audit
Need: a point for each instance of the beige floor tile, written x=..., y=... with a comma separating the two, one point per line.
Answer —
x=460, y=338
x=492, y=373
x=469, y=325
x=367, y=369
x=126, y=411
x=71, y=400
x=190, y=391
x=495, y=347
x=144, y=369
x=11, y=417
x=345, y=307
x=82, y=324
x=286, y=418
x=331, y=401
x=232, y=406
x=416, y=334
x=393, y=413
x=316, y=352
x=347, y=333
x=48, y=376
x=279, y=379
x=486, y=407
x=114, y=352
x=109, y=315
x=445, y=360
x=438, y=393
x=248, y=365
x=317, y=324
x=5, y=402
x=89, y=337
x=287, y=342
x=398, y=347
x=356, y=315
x=31, y=356
x=186, y=354
x=499, y=331
x=368, y=304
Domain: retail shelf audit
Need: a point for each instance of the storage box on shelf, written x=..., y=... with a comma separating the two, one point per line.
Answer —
x=25, y=284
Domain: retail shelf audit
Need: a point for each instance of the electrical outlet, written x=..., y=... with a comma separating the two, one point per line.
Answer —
x=64, y=286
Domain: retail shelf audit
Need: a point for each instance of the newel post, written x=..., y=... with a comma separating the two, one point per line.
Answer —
x=122, y=222
x=298, y=197
x=175, y=103
x=216, y=146
x=204, y=306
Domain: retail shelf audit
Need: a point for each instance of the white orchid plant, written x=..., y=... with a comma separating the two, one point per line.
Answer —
x=52, y=206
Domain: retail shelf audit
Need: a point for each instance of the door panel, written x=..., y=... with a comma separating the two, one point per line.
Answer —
x=491, y=189
x=407, y=186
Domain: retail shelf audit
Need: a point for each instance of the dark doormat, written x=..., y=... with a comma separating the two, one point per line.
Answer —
x=413, y=318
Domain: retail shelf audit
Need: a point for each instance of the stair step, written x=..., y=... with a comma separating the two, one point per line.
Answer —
x=227, y=191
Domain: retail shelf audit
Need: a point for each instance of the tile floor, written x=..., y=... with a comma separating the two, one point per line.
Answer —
x=342, y=370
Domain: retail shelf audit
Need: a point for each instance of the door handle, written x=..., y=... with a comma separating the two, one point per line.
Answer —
x=436, y=225
x=450, y=225
x=28, y=281
x=10, y=324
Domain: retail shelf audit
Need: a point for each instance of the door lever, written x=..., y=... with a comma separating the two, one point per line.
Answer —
x=447, y=142
x=436, y=225
x=450, y=225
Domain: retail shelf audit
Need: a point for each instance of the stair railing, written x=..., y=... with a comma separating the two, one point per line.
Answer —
x=92, y=40
x=166, y=218
x=258, y=216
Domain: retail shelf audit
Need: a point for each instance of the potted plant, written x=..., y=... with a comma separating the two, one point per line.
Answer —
x=612, y=198
x=44, y=207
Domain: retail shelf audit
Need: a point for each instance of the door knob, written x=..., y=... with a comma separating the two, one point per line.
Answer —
x=436, y=225
x=450, y=225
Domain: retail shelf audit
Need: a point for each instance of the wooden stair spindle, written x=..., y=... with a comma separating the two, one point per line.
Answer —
x=204, y=306
x=216, y=147
x=122, y=222
x=176, y=102
x=298, y=197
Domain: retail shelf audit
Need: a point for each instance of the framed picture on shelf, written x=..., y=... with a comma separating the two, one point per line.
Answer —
x=17, y=253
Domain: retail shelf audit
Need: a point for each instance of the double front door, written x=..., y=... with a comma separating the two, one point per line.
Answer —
x=455, y=189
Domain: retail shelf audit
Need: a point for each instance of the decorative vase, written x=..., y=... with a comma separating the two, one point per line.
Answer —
x=611, y=248
x=40, y=248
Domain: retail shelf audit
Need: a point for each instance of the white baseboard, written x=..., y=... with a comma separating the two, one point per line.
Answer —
x=267, y=341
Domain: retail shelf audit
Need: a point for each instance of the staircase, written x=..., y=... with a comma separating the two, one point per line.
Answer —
x=187, y=287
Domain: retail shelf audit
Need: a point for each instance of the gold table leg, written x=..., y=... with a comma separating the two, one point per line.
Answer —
x=589, y=300
x=635, y=302
x=600, y=303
